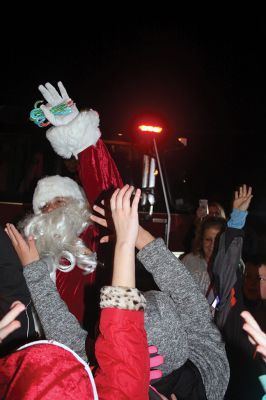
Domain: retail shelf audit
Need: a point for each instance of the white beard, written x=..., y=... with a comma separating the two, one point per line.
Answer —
x=57, y=235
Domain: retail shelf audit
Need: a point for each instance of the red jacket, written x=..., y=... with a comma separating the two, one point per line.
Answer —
x=48, y=370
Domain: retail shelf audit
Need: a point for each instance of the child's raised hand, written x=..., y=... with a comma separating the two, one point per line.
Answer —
x=25, y=249
x=242, y=197
x=105, y=222
x=255, y=334
x=125, y=214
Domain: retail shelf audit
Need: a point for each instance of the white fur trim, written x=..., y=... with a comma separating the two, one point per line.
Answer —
x=55, y=186
x=82, y=132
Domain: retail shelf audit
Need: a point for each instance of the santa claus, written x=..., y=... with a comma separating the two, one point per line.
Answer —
x=60, y=223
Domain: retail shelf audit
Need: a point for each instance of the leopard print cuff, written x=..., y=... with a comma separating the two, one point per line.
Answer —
x=122, y=297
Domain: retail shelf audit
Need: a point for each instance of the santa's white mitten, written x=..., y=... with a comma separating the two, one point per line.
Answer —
x=60, y=109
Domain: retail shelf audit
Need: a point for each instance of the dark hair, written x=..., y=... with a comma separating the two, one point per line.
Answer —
x=257, y=259
x=206, y=223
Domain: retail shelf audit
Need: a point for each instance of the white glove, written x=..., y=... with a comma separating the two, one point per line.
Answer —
x=53, y=98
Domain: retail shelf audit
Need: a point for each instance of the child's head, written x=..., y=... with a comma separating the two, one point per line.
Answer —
x=206, y=234
x=254, y=284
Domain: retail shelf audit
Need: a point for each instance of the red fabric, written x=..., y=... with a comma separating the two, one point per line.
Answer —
x=72, y=287
x=97, y=173
x=122, y=354
x=45, y=372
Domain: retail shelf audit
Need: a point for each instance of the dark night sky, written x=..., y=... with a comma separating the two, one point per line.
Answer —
x=197, y=78
x=205, y=81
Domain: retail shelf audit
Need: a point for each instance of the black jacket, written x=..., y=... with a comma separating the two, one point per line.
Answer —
x=13, y=287
x=227, y=276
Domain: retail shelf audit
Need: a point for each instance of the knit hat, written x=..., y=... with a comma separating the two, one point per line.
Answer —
x=55, y=186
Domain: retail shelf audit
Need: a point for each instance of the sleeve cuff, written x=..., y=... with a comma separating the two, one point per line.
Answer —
x=35, y=270
x=237, y=219
x=122, y=297
x=73, y=138
x=154, y=247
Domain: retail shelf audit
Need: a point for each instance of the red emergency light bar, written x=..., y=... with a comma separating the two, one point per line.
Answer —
x=150, y=129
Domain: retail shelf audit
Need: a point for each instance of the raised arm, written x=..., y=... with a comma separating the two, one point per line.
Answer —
x=78, y=134
x=226, y=263
x=241, y=202
x=199, y=337
x=169, y=273
x=123, y=319
x=57, y=321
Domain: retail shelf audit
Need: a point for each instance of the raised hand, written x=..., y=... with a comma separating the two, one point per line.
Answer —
x=255, y=334
x=8, y=324
x=25, y=249
x=242, y=197
x=126, y=222
x=106, y=221
x=125, y=215
x=55, y=98
x=143, y=238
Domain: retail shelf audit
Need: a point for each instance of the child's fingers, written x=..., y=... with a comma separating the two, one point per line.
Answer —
x=136, y=199
x=5, y=331
x=32, y=246
x=126, y=198
x=12, y=314
x=105, y=239
x=252, y=341
x=250, y=320
x=15, y=303
x=16, y=233
x=262, y=350
x=120, y=196
x=254, y=334
x=249, y=193
x=11, y=235
x=113, y=199
x=98, y=220
x=99, y=210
